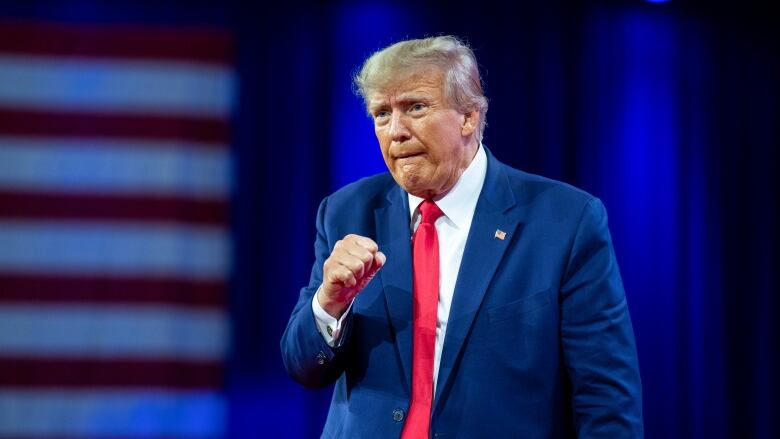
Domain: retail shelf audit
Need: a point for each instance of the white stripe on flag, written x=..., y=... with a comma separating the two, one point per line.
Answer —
x=149, y=250
x=93, y=165
x=116, y=85
x=104, y=331
x=112, y=414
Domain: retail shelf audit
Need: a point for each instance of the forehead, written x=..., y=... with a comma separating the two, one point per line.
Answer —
x=425, y=81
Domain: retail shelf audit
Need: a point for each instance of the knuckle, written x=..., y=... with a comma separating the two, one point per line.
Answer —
x=328, y=265
x=340, y=274
x=360, y=254
x=355, y=264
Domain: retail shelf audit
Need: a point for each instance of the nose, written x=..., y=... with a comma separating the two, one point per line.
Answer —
x=399, y=132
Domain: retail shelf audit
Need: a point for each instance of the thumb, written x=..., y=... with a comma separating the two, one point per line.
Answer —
x=379, y=262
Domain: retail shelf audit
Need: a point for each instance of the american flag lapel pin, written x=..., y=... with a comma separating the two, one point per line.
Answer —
x=500, y=234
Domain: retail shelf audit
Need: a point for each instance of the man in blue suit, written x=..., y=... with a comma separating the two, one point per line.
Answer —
x=454, y=296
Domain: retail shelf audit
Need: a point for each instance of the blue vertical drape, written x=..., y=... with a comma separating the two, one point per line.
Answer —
x=668, y=112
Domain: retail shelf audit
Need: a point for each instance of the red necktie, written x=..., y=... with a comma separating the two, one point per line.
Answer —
x=425, y=257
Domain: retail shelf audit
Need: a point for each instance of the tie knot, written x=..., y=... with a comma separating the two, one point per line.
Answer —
x=429, y=212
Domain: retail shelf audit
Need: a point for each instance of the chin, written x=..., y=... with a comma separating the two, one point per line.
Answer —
x=416, y=183
x=420, y=192
x=411, y=185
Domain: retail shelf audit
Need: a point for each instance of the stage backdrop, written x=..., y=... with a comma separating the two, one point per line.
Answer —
x=161, y=164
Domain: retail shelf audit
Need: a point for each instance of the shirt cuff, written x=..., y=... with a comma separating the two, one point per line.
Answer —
x=329, y=327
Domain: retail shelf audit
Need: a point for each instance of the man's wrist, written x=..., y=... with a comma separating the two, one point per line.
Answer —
x=330, y=327
x=333, y=308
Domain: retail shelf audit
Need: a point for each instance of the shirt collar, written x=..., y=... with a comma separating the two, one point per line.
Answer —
x=458, y=204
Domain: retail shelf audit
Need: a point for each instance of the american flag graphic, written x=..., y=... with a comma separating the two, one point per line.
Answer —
x=115, y=179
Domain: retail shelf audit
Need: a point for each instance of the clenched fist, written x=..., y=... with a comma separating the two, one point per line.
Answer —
x=349, y=268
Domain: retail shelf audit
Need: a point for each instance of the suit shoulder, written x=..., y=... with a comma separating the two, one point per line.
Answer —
x=366, y=192
x=535, y=189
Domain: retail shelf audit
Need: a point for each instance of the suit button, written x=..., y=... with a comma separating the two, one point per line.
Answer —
x=398, y=415
x=321, y=358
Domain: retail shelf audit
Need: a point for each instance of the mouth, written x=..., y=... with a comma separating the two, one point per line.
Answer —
x=408, y=155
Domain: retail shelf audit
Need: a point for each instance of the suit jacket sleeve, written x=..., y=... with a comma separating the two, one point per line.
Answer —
x=597, y=337
x=307, y=357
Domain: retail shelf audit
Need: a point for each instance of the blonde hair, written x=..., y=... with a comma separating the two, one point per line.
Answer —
x=462, y=83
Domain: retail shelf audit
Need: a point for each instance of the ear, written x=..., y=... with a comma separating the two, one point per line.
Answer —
x=470, y=123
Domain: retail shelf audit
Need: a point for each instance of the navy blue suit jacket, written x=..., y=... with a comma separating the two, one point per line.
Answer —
x=539, y=342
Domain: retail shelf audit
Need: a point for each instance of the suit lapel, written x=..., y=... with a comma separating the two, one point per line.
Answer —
x=394, y=240
x=482, y=255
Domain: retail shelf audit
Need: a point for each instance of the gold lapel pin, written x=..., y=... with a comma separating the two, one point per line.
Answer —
x=500, y=234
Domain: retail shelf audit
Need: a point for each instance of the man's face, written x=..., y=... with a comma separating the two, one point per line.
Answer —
x=425, y=142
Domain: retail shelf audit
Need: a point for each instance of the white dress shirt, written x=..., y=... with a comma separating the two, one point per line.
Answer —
x=453, y=229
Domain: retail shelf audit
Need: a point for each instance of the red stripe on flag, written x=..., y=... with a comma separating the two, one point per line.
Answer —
x=81, y=124
x=169, y=43
x=16, y=372
x=49, y=287
x=59, y=206
x=47, y=373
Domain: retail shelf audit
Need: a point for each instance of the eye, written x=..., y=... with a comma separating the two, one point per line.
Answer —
x=381, y=115
x=417, y=107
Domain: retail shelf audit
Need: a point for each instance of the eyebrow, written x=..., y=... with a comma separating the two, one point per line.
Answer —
x=415, y=96
x=372, y=107
x=405, y=98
